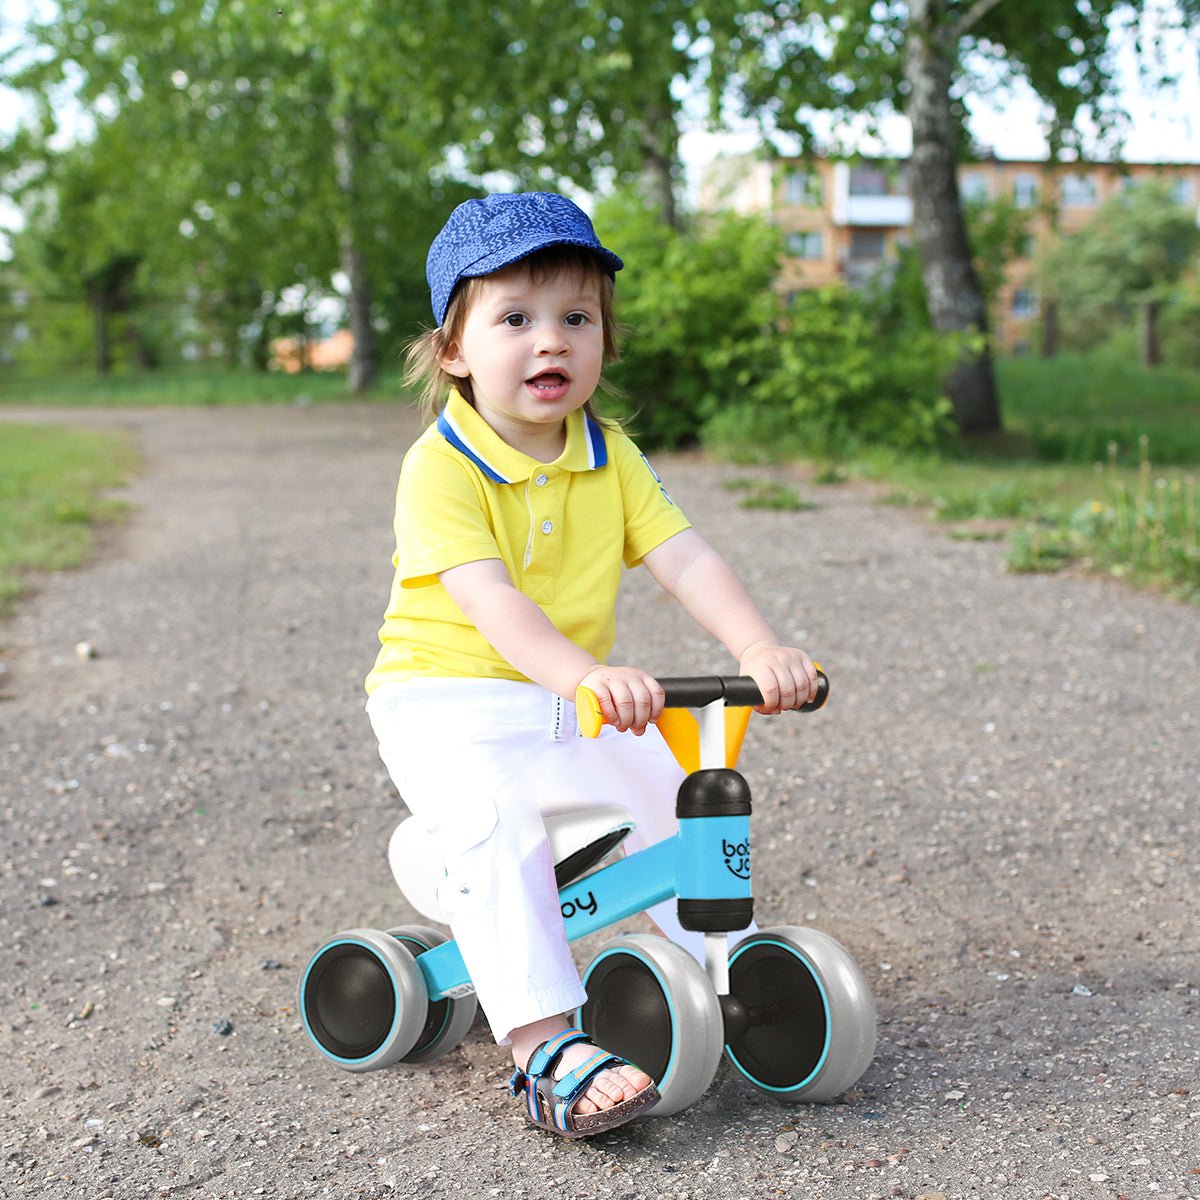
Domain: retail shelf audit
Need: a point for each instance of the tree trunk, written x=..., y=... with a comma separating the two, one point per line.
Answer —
x=659, y=139
x=1049, y=328
x=1151, y=346
x=956, y=303
x=103, y=345
x=364, y=359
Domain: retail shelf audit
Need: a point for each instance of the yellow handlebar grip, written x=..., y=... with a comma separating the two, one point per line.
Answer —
x=587, y=712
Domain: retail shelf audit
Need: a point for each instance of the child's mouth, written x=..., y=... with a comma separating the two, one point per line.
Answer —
x=550, y=385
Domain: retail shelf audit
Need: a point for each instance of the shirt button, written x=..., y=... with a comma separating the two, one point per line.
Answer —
x=542, y=480
x=547, y=526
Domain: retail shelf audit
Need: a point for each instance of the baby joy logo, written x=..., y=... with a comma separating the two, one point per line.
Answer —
x=737, y=857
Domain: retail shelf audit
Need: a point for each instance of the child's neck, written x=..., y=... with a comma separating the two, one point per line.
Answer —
x=543, y=443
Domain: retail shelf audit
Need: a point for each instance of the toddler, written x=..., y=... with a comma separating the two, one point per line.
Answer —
x=516, y=511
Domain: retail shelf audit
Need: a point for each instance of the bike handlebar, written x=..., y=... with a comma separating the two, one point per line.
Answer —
x=695, y=691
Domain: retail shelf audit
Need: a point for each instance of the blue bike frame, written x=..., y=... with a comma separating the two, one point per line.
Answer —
x=709, y=858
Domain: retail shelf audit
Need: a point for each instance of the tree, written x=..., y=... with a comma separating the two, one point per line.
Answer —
x=1127, y=260
x=792, y=57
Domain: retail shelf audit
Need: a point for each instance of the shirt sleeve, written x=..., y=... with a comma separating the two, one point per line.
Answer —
x=441, y=519
x=651, y=516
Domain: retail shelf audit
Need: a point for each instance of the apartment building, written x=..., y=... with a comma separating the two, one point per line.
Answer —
x=845, y=220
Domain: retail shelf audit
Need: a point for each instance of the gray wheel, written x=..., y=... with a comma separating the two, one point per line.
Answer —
x=651, y=1002
x=363, y=1000
x=448, y=1020
x=802, y=1027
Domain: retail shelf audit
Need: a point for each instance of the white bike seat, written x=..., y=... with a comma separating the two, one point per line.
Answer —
x=579, y=841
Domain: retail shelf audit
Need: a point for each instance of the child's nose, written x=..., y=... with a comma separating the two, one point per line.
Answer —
x=552, y=341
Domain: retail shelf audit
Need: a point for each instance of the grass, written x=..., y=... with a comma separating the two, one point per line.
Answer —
x=53, y=485
x=1096, y=470
x=1072, y=407
x=178, y=387
x=768, y=494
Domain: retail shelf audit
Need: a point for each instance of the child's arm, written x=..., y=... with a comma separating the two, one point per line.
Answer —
x=709, y=589
x=629, y=698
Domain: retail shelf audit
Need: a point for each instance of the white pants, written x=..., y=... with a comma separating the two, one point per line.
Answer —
x=479, y=763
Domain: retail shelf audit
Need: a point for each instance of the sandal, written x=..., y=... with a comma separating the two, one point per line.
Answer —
x=549, y=1101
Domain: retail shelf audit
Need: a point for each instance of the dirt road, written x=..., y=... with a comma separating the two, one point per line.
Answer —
x=996, y=813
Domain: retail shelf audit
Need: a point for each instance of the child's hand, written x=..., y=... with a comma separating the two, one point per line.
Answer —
x=786, y=676
x=629, y=698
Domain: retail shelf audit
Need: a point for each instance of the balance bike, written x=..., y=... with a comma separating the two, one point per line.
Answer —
x=788, y=1006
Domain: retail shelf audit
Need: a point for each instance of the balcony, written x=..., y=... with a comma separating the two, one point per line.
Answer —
x=890, y=212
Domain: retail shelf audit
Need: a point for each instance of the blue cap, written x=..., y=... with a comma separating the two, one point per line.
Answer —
x=482, y=236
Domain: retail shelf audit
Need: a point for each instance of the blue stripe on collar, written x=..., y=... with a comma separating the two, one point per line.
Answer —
x=457, y=439
x=597, y=450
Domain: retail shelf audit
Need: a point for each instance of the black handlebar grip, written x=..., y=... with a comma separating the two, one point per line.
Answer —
x=738, y=691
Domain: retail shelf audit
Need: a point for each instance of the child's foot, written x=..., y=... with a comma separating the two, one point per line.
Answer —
x=574, y=1088
x=607, y=1089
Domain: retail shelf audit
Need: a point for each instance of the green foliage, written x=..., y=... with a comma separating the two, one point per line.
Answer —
x=696, y=309
x=1071, y=407
x=201, y=385
x=838, y=375
x=1148, y=533
x=711, y=355
x=769, y=494
x=1057, y=502
x=997, y=229
x=52, y=484
x=1136, y=249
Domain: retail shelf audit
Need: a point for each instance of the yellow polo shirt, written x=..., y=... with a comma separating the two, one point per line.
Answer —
x=562, y=529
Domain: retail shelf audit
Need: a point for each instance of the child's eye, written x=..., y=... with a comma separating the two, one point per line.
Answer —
x=576, y=319
x=515, y=320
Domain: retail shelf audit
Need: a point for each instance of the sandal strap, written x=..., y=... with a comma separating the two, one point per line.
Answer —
x=562, y=1093
x=544, y=1058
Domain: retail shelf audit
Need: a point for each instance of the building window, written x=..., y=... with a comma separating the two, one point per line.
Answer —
x=1025, y=191
x=1183, y=190
x=1078, y=191
x=866, y=244
x=869, y=181
x=803, y=188
x=806, y=243
x=973, y=188
x=1024, y=304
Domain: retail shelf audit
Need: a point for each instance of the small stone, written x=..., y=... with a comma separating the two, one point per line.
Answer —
x=223, y=1027
x=786, y=1142
x=270, y=964
x=85, y=650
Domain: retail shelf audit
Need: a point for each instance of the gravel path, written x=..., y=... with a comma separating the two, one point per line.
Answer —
x=996, y=814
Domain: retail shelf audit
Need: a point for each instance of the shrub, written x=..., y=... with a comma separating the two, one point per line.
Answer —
x=695, y=307
x=712, y=354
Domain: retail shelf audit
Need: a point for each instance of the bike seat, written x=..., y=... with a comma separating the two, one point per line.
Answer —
x=579, y=842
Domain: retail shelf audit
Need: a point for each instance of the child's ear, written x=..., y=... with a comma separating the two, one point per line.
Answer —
x=453, y=363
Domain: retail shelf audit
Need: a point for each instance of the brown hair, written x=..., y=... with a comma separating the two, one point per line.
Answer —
x=423, y=371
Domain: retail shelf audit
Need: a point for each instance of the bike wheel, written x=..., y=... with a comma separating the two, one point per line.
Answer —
x=448, y=1020
x=362, y=1000
x=805, y=1024
x=651, y=1002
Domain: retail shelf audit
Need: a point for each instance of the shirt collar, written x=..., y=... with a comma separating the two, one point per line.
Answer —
x=476, y=440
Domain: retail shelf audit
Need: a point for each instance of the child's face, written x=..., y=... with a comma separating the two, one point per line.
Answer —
x=533, y=349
